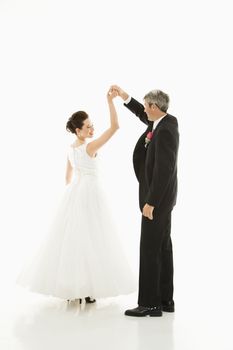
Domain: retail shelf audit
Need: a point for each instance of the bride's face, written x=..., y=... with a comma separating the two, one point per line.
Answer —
x=87, y=130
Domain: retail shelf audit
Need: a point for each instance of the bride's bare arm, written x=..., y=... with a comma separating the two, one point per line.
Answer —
x=69, y=172
x=93, y=146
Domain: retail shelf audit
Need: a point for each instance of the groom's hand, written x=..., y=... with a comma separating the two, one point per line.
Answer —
x=148, y=211
x=120, y=92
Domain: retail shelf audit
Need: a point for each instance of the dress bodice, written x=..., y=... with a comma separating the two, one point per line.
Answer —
x=81, y=162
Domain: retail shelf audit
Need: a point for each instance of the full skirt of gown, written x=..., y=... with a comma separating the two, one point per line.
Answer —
x=82, y=254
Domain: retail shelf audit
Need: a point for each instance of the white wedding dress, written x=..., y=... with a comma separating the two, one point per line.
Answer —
x=82, y=255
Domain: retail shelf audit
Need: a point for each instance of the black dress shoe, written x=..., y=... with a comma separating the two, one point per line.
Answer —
x=168, y=306
x=90, y=300
x=142, y=311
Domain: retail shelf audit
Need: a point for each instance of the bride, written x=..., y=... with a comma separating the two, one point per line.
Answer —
x=81, y=257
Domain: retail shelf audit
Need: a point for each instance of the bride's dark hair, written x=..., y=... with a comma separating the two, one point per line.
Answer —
x=76, y=121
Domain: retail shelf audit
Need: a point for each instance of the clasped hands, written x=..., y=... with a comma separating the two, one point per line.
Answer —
x=115, y=91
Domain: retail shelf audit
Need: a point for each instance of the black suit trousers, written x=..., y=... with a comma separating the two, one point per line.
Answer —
x=156, y=260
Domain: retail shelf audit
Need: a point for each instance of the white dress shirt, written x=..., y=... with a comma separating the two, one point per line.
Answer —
x=156, y=122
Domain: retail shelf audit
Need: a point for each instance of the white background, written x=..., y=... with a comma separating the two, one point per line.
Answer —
x=58, y=57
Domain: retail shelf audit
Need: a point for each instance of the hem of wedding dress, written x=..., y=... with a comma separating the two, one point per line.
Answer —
x=82, y=296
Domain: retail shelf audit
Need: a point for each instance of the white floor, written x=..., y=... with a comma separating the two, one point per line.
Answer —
x=34, y=322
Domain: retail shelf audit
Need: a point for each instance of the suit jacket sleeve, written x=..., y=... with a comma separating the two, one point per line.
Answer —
x=163, y=168
x=138, y=109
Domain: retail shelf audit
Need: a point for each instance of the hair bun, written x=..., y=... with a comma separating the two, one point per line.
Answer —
x=70, y=126
x=76, y=121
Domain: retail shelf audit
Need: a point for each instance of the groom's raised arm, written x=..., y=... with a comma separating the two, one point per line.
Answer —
x=133, y=105
x=138, y=109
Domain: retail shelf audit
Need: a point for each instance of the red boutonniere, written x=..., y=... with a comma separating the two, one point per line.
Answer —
x=148, y=138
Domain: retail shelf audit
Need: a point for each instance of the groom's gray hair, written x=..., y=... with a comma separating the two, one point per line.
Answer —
x=159, y=98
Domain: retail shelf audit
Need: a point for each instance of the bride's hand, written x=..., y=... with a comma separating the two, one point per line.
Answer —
x=112, y=93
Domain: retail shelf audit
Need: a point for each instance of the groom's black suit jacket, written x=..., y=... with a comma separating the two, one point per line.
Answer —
x=155, y=166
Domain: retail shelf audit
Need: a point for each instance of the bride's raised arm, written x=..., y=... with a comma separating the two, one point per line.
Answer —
x=95, y=145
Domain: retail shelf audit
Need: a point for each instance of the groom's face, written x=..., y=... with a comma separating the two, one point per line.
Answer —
x=149, y=110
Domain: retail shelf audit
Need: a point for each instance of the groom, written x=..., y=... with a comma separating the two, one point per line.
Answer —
x=155, y=165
